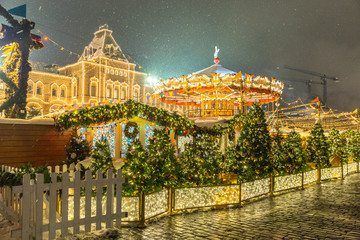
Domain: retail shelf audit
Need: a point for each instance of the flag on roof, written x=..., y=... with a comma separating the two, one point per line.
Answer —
x=316, y=99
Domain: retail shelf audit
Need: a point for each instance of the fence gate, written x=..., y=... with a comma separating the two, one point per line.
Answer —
x=68, y=203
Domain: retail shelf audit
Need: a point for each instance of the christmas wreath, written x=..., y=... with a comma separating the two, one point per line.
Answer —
x=131, y=126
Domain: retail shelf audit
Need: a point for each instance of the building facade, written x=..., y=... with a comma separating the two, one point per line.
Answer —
x=101, y=74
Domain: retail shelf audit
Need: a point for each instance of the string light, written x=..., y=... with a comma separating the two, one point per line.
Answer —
x=47, y=38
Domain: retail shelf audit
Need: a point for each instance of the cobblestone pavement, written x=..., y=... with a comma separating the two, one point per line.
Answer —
x=327, y=211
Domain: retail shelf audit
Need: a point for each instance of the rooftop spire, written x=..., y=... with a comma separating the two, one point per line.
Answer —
x=216, y=58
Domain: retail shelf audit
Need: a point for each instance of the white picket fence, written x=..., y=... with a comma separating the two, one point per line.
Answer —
x=42, y=213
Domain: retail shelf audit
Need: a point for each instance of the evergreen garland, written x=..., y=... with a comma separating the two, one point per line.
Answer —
x=317, y=147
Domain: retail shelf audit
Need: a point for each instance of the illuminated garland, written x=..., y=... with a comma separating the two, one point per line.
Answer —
x=108, y=113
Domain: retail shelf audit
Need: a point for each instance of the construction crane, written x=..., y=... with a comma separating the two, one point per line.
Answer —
x=323, y=79
x=308, y=83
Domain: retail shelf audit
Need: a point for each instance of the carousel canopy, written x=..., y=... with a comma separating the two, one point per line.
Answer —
x=218, y=83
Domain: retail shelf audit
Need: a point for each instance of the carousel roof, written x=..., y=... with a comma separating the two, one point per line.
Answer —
x=214, y=69
x=218, y=83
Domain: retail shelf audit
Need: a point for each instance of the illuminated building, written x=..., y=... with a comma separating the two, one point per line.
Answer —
x=102, y=74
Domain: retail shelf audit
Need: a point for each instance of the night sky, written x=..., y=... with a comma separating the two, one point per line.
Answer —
x=175, y=37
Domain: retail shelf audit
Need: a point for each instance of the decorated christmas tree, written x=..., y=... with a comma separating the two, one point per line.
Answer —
x=162, y=156
x=353, y=145
x=254, y=145
x=278, y=156
x=201, y=161
x=317, y=147
x=77, y=149
x=295, y=158
x=337, y=146
x=101, y=157
x=138, y=171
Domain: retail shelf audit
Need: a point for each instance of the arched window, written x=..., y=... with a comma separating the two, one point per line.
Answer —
x=39, y=90
x=116, y=93
x=75, y=91
x=53, y=92
x=62, y=93
x=123, y=93
x=108, y=92
x=29, y=89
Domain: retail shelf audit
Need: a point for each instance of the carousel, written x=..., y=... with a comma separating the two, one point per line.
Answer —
x=217, y=92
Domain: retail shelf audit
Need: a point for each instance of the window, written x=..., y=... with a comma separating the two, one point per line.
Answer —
x=136, y=95
x=125, y=74
x=112, y=71
x=93, y=91
x=116, y=93
x=108, y=92
x=120, y=73
x=38, y=91
x=123, y=94
x=29, y=89
x=75, y=91
x=116, y=72
x=107, y=70
x=62, y=93
x=53, y=92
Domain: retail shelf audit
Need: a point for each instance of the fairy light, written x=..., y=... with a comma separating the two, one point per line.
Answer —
x=206, y=196
x=156, y=203
x=329, y=173
x=287, y=182
x=255, y=188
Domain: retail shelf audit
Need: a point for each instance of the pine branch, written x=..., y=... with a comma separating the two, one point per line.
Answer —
x=7, y=81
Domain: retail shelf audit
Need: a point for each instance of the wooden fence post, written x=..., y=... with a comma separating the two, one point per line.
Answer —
x=77, y=182
x=119, y=182
x=53, y=202
x=25, y=225
x=302, y=179
x=318, y=175
x=39, y=205
x=272, y=184
x=88, y=188
x=171, y=200
x=109, y=199
x=240, y=192
x=64, y=203
x=142, y=210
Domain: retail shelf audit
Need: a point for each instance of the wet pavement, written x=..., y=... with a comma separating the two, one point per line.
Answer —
x=327, y=211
